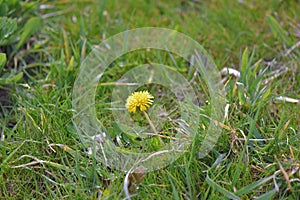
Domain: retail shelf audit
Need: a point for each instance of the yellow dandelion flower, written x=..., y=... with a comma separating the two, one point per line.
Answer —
x=141, y=100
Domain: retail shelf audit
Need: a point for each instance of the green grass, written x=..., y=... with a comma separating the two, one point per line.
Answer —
x=257, y=155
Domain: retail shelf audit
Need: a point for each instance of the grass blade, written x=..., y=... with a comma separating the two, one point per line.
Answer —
x=250, y=187
x=2, y=61
x=278, y=31
x=174, y=190
x=268, y=195
x=32, y=26
x=227, y=193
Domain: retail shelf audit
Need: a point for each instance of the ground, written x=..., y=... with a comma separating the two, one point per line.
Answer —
x=257, y=155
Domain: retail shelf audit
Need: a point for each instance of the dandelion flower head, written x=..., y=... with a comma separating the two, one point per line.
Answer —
x=141, y=100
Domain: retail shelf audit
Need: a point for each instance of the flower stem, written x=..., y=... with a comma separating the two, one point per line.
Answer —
x=151, y=125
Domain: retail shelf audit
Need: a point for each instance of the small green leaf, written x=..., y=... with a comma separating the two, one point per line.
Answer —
x=8, y=27
x=71, y=64
x=10, y=7
x=32, y=26
x=11, y=79
x=2, y=61
x=3, y=9
x=244, y=65
x=241, y=93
